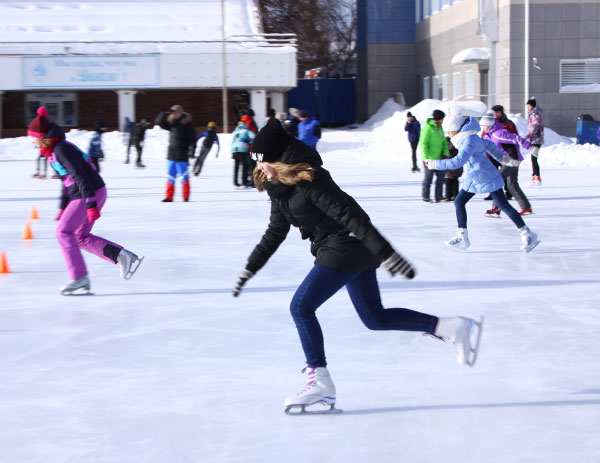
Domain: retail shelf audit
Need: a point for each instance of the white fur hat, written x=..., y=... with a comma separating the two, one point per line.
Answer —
x=453, y=123
x=488, y=119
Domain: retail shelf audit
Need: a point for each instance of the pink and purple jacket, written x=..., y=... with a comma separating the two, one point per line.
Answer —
x=501, y=137
x=78, y=174
x=535, y=127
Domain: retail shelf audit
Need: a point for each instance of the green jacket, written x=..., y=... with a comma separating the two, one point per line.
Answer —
x=433, y=142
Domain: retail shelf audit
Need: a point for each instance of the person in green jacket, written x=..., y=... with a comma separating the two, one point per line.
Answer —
x=433, y=145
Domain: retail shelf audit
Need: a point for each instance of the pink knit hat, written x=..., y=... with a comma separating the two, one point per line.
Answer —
x=40, y=125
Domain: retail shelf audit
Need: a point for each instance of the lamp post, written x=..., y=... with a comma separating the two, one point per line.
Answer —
x=224, y=58
x=526, y=63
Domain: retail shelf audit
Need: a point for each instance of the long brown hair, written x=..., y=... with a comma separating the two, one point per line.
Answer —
x=288, y=174
x=45, y=142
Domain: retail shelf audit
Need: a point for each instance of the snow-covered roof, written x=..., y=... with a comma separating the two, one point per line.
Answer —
x=110, y=27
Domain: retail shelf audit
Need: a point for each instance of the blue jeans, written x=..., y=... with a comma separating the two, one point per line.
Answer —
x=499, y=199
x=321, y=283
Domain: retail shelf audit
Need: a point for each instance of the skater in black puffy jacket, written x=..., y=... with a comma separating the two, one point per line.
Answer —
x=347, y=249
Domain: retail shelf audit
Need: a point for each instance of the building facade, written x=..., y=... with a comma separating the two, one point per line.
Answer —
x=439, y=54
x=110, y=61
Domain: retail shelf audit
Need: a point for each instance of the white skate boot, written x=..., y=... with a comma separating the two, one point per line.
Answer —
x=459, y=331
x=529, y=239
x=460, y=242
x=319, y=389
x=74, y=286
x=128, y=263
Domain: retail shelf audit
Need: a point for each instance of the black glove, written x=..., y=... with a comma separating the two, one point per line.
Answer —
x=244, y=277
x=397, y=264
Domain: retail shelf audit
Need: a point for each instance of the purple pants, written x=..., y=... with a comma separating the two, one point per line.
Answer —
x=73, y=233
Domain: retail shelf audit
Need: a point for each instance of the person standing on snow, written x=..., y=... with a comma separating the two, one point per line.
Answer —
x=210, y=137
x=509, y=143
x=348, y=250
x=241, y=141
x=95, y=149
x=83, y=197
x=433, y=146
x=413, y=127
x=138, y=134
x=535, y=136
x=182, y=145
x=482, y=177
x=309, y=129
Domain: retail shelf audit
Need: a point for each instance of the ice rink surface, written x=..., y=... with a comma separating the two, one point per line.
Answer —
x=169, y=367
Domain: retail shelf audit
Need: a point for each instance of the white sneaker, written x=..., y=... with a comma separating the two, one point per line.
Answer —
x=459, y=330
x=82, y=283
x=529, y=240
x=128, y=263
x=319, y=388
x=461, y=241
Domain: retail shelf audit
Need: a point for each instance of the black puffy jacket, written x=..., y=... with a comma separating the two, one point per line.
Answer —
x=341, y=233
x=182, y=138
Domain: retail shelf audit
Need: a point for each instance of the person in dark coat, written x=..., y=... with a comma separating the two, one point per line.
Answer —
x=413, y=127
x=83, y=196
x=210, y=136
x=182, y=145
x=138, y=134
x=95, y=149
x=347, y=249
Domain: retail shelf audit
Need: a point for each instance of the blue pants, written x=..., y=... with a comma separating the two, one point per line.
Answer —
x=321, y=283
x=176, y=169
x=499, y=199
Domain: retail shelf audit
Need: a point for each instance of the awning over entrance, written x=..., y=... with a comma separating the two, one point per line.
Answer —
x=471, y=56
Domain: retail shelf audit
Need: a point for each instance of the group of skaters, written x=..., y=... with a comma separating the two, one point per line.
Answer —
x=490, y=148
x=347, y=247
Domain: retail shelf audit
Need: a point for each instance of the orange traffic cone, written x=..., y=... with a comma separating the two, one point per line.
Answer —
x=33, y=215
x=4, y=263
x=27, y=233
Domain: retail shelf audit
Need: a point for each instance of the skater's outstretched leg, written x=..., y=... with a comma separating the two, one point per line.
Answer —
x=365, y=295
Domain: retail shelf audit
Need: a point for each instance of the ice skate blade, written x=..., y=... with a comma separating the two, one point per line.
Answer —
x=532, y=247
x=85, y=292
x=302, y=409
x=495, y=216
x=475, y=350
x=133, y=269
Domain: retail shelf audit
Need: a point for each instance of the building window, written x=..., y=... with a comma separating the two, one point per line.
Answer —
x=435, y=88
x=456, y=85
x=61, y=107
x=469, y=83
x=580, y=75
x=444, y=87
x=426, y=88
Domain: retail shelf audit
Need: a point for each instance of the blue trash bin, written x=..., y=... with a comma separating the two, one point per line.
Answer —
x=587, y=132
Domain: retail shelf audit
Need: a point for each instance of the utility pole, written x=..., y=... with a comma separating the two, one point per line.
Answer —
x=224, y=59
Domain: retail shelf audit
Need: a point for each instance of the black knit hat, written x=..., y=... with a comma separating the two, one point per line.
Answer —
x=532, y=102
x=438, y=115
x=270, y=143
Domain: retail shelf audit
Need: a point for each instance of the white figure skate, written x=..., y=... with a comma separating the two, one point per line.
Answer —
x=80, y=286
x=319, y=389
x=529, y=239
x=465, y=334
x=128, y=263
x=460, y=242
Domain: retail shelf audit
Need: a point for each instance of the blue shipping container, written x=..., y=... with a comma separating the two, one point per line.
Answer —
x=587, y=132
x=330, y=101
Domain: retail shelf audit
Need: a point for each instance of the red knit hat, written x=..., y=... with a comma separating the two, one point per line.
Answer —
x=40, y=125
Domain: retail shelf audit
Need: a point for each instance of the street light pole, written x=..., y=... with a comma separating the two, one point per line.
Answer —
x=526, y=64
x=224, y=58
